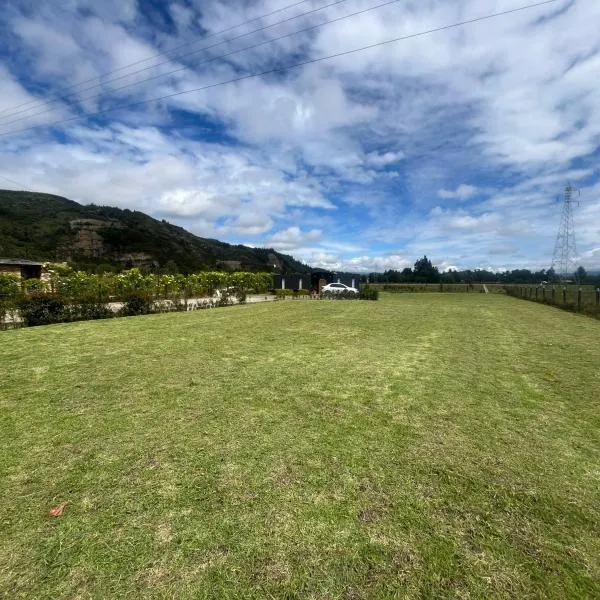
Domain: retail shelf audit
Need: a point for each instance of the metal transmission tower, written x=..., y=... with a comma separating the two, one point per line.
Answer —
x=565, y=250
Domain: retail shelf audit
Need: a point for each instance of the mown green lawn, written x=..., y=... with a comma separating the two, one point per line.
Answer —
x=424, y=446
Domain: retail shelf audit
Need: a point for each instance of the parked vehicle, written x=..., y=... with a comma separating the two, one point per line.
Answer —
x=338, y=288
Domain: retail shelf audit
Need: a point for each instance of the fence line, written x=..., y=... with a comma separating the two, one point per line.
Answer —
x=584, y=299
x=438, y=287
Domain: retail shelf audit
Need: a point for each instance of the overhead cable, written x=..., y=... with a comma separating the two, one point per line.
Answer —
x=287, y=67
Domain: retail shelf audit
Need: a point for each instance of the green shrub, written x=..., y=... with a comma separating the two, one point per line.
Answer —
x=136, y=305
x=33, y=286
x=241, y=296
x=224, y=297
x=89, y=311
x=10, y=291
x=43, y=310
x=9, y=286
x=368, y=293
x=288, y=292
x=345, y=295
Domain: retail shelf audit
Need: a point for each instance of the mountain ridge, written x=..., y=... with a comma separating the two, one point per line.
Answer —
x=46, y=227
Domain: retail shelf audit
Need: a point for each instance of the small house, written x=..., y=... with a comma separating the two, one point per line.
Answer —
x=25, y=269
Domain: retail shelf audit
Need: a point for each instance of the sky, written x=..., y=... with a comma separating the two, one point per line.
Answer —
x=455, y=144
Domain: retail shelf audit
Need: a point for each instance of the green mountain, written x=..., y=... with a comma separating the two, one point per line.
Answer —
x=51, y=228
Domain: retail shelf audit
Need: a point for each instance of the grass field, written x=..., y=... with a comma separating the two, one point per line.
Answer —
x=422, y=446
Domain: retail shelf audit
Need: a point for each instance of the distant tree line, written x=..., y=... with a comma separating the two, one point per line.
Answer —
x=425, y=272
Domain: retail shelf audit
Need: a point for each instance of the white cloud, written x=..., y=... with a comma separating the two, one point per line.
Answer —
x=462, y=192
x=354, y=264
x=182, y=15
x=292, y=238
x=462, y=221
x=363, y=264
x=384, y=159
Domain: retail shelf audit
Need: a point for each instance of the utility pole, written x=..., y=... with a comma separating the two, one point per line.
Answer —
x=565, y=250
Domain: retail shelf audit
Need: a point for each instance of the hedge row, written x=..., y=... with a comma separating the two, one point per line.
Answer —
x=68, y=295
x=76, y=285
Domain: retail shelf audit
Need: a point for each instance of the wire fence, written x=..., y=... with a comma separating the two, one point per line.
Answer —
x=584, y=299
x=578, y=298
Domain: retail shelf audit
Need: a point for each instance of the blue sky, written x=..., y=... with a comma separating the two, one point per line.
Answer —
x=455, y=144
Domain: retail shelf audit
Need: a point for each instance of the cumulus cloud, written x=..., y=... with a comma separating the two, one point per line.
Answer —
x=293, y=238
x=335, y=261
x=384, y=159
x=462, y=192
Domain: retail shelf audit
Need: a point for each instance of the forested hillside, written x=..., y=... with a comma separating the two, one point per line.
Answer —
x=45, y=227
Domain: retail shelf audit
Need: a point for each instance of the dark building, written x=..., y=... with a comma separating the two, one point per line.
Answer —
x=26, y=269
x=294, y=281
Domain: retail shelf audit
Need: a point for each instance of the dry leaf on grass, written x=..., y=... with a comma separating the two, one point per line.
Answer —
x=58, y=510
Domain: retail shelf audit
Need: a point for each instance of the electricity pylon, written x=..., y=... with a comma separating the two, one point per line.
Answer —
x=565, y=250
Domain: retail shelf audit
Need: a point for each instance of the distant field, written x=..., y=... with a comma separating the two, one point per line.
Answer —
x=438, y=287
x=422, y=446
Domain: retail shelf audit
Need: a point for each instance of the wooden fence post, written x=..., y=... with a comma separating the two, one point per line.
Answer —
x=536, y=292
x=597, y=296
x=579, y=299
x=553, y=294
x=564, y=295
x=544, y=294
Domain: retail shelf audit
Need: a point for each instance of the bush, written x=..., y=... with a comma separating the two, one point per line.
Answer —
x=10, y=291
x=368, y=293
x=289, y=292
x=224, y=297
x=43, y=310
x=136, y=305
x=345, y=295
x=89, y=311
x=9, y=286
x=241, y=295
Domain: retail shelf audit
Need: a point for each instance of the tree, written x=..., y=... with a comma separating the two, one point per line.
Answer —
x=580, y=275
x=425, y=272
x=407, y=275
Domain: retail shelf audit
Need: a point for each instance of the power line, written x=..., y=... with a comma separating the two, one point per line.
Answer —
x=21, y=185
x=164, y=62
x=175, y=49
x=288, y=67
x=215, y=58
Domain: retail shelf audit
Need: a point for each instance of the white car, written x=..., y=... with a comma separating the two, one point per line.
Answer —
x=338, y=288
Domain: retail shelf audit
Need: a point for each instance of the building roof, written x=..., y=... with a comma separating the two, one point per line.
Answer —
x=20, y=262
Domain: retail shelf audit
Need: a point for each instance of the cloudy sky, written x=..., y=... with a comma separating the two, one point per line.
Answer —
x=455, y=144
